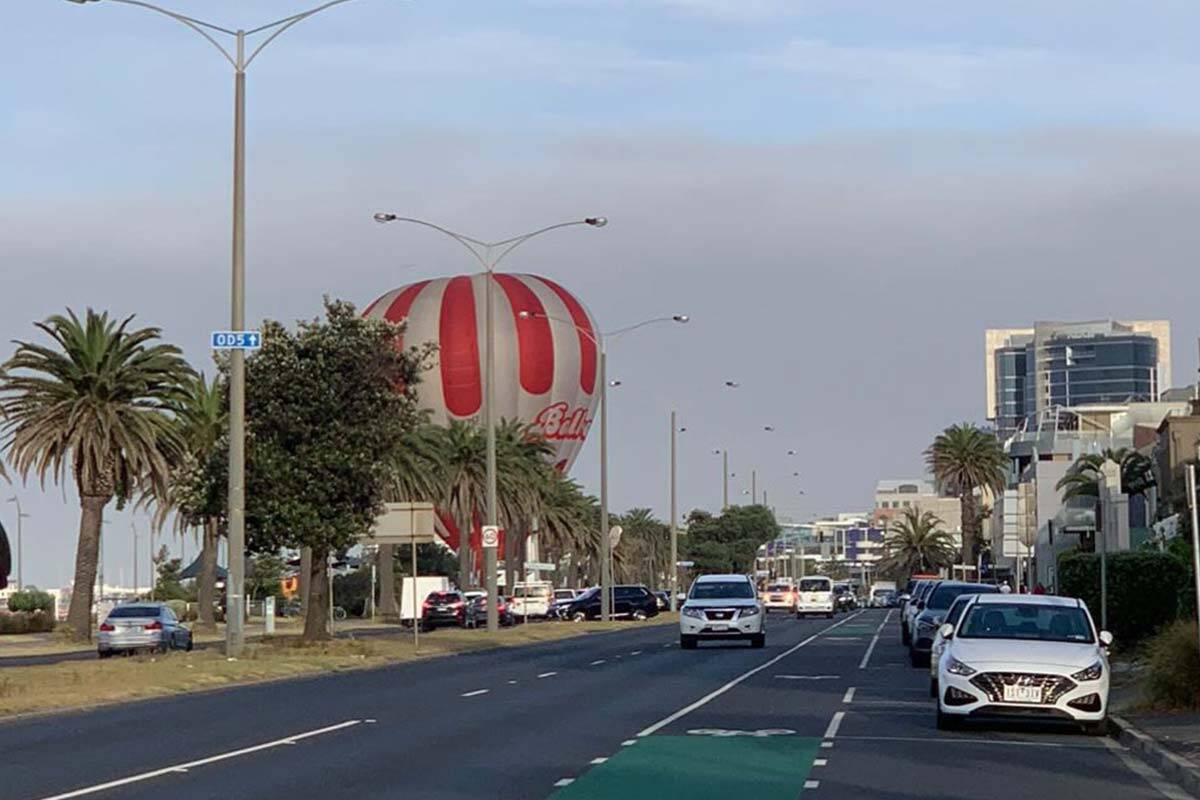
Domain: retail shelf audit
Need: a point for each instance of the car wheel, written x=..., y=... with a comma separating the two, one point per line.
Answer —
x=1098, y=728
x=687, y=642
x=947, y=722
x=829, y=615
x=933, y=687
x=103, y=653
x=191, y=643
x=639, y=615
x=579, y=616
x=758, y=640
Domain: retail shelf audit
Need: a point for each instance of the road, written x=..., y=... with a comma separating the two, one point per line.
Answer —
x=829, y=709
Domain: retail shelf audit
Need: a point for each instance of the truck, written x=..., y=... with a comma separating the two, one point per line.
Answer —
x=426, y=585
x=883, y=594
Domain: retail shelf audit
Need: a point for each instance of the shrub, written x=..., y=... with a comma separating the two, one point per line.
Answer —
x=1173, y=667
x=1143, y=590
x=26, y=622
x=31, y=600
x=179, y=607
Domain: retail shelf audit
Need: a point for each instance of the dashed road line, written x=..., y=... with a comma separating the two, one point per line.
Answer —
x=849, y=696
x=636, y=653
x=874, y=640
x=547, y=675
x=808, y=677
x=812, y=784
x=827, y=745
x=561, y=782
x=1147, y=773
x=600, y=760
x=597, y=661
x=834, y=724
x=820, y=762
x=475, y=693
x=628, y=742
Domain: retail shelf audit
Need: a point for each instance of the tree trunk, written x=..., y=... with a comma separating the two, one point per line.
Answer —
x=510, y=557
x=970, y=526
x=305, y=574
x=464, y=554
x=385, y=568
x=87, y=551
x=316, y=617
x=207, y=579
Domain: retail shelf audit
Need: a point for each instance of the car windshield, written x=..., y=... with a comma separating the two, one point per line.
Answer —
x=531, y=591
x=126, y=612
x=957, y=607
x=564, y=595
x=588, y=594
x=945, y=594
x=722, y=590
x=1033, y=621
x=445, y=597
x=814, y=584
x=779, y=587
x=881, y=593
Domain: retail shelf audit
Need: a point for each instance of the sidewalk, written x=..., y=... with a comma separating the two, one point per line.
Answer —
x=1169, y=741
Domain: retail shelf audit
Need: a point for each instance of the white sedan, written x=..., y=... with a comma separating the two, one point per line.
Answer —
x=1024, y=657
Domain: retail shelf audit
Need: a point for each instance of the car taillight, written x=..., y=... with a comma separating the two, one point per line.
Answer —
x=107, y=627
x=153, y=626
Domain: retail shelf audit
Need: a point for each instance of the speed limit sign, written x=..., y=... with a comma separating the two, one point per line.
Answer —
x=491, y=536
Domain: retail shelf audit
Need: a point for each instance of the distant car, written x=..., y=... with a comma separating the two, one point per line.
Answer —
x=722, y=607
x=883, y=598
x=844, y=598
x=1025, y=656
x=442, y=609
x=929, y=619
x=475, y=612
x=633, y=602
x=532, y=599
x=141, y=626
x=780, y=597
x=664, y=600
x=815, y=596
x=915, y=606
x=562, y=599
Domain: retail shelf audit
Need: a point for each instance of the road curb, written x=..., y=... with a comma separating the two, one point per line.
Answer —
x=1173, y=766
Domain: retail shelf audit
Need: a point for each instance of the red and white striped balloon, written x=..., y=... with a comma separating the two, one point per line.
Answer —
x=547, y=364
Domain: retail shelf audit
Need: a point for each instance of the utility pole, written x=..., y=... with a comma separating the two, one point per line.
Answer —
x=674, y=522
x=725, y=482
x=753, y=486
x=133, y=530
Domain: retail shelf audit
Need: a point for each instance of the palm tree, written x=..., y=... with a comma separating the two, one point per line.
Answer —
x=98, y=402
x=916, y=543
x=644, y=549
x=964, y=458
x=570, y=525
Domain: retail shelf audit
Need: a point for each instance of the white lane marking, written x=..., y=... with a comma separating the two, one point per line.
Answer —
x=827, y=745
x=708, y=698
x=1147, y=772
x=145, y=776
x=874, y=641
x=808, y=677
x=843, y=638
x=636, y=653
x=547, y=675
x=820, y=762
x=628, y=742
x=981, y=741
x=849, y=697
x=512, y=683
x=564, y=782
x=669, y=644
x=834, y=724
x=370, y=721
x=600, y=760
x=475, y=693
x=812, y=784
x=597, y=661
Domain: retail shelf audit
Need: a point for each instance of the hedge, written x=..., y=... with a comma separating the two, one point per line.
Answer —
x=31, y=600
x=1143, y=590
x=26, y=622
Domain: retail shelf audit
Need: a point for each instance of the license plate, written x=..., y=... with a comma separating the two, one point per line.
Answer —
x=1023, y=694
x=720, y=627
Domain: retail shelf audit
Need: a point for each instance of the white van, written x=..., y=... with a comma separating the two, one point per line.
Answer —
x=426, y=585
x=815, y=596
x=532, y=598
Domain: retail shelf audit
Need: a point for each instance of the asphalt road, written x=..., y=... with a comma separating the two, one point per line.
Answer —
x=624, y=714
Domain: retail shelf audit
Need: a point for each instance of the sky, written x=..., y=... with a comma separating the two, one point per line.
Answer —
x=841, y=194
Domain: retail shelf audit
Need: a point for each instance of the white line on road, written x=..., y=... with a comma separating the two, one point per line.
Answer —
x=600, y=760
x=547, y=675
x=145, y=776
x=669, y=644
x=1148, y=773
x=812, y=784
x=827, y=745
x=849, y=698
x=708, y=698
x=628, y=742
x=820, y=762
x=834, y=724
x=564, y=782
x=874, y=641
x=808, y=677
x=981, y=741
x=597, y=661
x=636, y=653
x=475, y=693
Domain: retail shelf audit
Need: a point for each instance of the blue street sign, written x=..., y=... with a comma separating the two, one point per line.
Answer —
x=236, y=340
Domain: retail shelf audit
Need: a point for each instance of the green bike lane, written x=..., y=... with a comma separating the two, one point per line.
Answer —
x=759, y=735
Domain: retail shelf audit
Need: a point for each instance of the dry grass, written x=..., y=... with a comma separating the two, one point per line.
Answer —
x=77, y=684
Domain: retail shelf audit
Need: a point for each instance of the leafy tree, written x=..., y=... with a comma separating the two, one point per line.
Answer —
x=916, y=543
x=95, y=401
x=644, y=551
x=324, y=418
x=264, y=576
x=963, y=459
x=728, y=542
x=169, y=585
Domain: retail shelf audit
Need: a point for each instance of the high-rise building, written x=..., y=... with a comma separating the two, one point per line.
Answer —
x=1072, y=364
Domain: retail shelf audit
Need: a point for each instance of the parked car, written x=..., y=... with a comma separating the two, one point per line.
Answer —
x=532, y=598
x=1033, y=656
x=815, y=596
x=441, y=609
x=475, y=611
x=142, y=626
x=929, y=619
x=562, y=599
x=780, y=597
x=939, y=641
x=634, y=602
x=664, y=600
x=844, y=598
x=883, y=598
x=722, y=607
x=916, y=604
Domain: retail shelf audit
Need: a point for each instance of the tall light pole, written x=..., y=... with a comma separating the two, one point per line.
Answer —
x=235, y=621
x=489, y=255
x=20, y=516
x=601, y=343
x=674, y=520
x=724, y=454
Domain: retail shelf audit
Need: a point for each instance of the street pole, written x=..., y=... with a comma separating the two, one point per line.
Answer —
x=605, y=539
x=753, y=486
x=1192, y=501
x=20, y=516
x=133, y=530
x=674, y=522
x=725, y=480
x=489, y=415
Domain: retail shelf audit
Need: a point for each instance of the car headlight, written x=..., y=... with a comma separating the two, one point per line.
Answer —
x=1092, y=673
x=748, y=611
x=693, y=612
x=956, y=667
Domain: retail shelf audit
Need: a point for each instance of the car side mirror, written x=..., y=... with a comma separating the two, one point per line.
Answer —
x=1106, y=639
x=947, y=631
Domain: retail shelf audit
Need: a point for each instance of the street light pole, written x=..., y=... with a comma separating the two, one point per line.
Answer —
x=235, y=620
x=20, y=516
x=674, y=522
x=489, y=255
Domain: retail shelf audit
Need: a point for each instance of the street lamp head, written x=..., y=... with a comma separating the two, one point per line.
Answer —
x=768, y=428
x=681, y=317
x=732, y=384
x=596, y=222
x=716, y=452
x=791, y=452
x=614, y=383
x=380, y=217
x=683, y=429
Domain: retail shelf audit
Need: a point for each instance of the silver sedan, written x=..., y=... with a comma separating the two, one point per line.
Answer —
x=142, y=626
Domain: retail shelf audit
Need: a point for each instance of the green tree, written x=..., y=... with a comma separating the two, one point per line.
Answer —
x=169, y=585
x=916, y=543
x=95, y=401
x=965, y=459
x=644, y=551
x=264, y=576
x=728, y=542
x=324, y=419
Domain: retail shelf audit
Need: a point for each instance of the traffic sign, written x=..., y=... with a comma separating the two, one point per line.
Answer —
x=614, y=535
x=236, y=340
x=540, y=565
x=491, y=535
x=685, y=564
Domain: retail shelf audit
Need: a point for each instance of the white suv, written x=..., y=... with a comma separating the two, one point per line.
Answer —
x=815, y=596
x=722, y=607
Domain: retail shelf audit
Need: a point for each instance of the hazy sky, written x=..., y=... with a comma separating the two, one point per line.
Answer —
x=842, y=194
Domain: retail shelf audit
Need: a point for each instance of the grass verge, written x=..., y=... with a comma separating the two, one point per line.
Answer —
x=84, y=684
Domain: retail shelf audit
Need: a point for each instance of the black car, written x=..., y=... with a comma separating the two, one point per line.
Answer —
x=634, y=602
x=475, y=615
x=933, y=613
x=442, y=609
x=664, y=600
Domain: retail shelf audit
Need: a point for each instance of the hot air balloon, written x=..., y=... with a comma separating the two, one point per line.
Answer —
x=547, y=364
